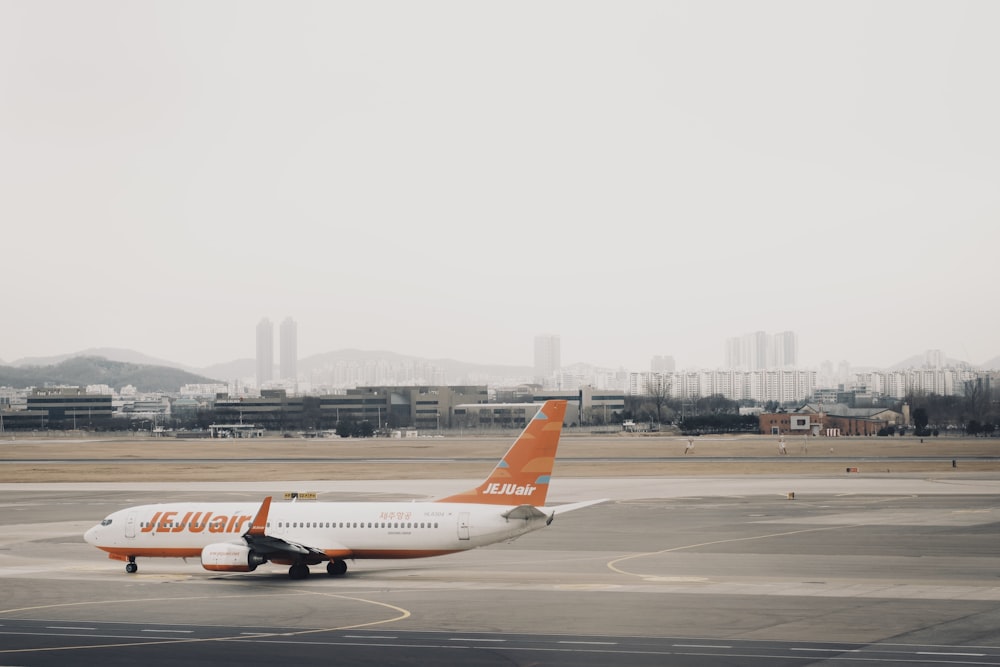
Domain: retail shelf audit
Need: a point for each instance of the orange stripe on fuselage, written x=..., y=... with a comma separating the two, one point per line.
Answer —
x=120, y=553
x=123, y=553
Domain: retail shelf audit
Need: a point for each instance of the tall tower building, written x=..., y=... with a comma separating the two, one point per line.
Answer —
x=288, y=364
x=747, y=352
x=547, y=358
x=785, y=350
x=662, y=364
x=265, y=352
x=733, y=357
x=756, y=347
x=760, y=350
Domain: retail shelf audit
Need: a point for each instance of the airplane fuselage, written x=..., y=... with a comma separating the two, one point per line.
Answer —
x=351, y=530
x=239, y=537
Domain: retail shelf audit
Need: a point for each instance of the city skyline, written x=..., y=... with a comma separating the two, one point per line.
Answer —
x=547, y=353
x=447, y=180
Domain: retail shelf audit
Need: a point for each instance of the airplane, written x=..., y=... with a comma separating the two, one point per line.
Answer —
x=240, y=537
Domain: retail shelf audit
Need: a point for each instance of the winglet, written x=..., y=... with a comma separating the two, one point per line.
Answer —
x=522, y=475
x=260, y=521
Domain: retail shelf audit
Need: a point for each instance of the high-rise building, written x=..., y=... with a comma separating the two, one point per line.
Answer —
x=662, y=364
x=265, y=352
x=547, y=358
x=760, y=350
x=288, y=364
x=785, y=350
x=934, y=359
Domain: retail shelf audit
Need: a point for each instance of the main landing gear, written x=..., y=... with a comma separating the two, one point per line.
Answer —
x=298, y=571
x=130, y=566
x=335, y=568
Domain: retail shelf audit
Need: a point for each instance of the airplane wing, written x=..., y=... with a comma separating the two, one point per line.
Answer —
x=270, y=546
x=267, y=545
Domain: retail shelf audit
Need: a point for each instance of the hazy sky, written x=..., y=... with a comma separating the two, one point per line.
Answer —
x=449, y=179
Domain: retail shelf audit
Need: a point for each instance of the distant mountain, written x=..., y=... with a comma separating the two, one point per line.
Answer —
x=463, y=372
x=81, y=371
x=231, y=370
x=109, y=353
x=317, y=364
x=991, y=364
x=920, y=360
x=454, y=372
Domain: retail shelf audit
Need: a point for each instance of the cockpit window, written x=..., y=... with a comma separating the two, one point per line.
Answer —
x=106, y=522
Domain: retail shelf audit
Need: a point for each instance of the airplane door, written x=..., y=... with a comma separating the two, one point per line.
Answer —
x=130, y=525
x=463, y=525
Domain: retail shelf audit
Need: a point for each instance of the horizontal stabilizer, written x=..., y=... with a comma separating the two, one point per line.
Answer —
x=524, y=512
x=560, y=509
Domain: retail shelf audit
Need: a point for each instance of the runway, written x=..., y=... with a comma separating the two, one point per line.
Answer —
x=675, y=571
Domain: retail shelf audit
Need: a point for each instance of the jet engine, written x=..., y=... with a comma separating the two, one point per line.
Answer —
x=226, y=557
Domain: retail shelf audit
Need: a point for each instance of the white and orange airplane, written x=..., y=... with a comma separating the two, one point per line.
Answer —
x=239, y=537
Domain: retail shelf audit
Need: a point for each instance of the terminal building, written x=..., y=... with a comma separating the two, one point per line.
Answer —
x=425, y=408
x=60, y=408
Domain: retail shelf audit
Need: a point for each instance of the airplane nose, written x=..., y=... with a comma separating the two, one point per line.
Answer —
x=91, y=536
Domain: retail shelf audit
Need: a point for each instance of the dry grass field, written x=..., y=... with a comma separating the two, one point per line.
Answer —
x=62, y=458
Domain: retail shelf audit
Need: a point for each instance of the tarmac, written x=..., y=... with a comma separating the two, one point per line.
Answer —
x=755, y=569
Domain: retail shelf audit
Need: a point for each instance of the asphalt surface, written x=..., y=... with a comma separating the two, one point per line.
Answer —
x=669, y=571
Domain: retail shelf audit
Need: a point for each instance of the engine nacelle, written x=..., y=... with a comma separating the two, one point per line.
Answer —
x=226, y=557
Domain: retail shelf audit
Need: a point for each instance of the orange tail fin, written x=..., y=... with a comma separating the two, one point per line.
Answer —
x=522, y=475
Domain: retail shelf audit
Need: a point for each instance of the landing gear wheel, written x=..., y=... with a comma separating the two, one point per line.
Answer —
x=131, y=567
x=298, y=571
x=336, y=568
